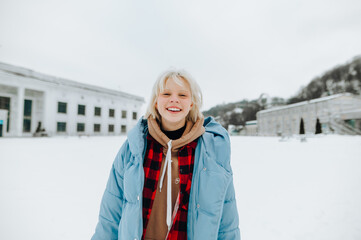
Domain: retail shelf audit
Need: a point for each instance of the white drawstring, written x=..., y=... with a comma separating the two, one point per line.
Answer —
x=168, y=160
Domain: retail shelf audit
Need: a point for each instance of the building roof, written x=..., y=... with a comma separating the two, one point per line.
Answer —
x=307, y=102
x=24, y=72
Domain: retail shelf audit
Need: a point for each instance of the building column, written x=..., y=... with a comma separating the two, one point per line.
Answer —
x=45, y=120
x=48, y=112
x=20, y=112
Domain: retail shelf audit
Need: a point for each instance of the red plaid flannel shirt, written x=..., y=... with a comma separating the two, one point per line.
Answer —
x=152, y=164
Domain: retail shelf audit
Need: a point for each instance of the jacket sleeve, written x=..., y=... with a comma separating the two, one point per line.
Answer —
x=112, y=201
x=228, y=229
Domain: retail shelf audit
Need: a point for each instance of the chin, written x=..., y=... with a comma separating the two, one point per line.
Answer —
x=173, y=119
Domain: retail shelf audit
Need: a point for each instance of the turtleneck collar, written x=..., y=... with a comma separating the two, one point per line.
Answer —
x=174, y=134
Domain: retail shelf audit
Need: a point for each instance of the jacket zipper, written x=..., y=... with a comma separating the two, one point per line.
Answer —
x=142, y=181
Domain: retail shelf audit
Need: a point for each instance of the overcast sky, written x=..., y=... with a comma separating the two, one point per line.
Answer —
x=234, y=49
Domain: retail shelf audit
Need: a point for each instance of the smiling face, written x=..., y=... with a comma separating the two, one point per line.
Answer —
x=174, y=104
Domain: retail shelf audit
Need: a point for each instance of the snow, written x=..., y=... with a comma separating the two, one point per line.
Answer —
x=51, y=187
x=293, y=190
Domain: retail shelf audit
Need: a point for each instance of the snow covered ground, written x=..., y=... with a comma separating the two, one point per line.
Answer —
x=50, y=188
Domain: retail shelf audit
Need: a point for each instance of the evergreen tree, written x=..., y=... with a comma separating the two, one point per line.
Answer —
x=318, y=127
x=302, y=127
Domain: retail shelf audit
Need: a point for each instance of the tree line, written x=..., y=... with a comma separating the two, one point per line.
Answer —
x=340, y=79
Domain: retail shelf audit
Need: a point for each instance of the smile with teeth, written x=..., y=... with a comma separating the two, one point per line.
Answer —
x=173, y=109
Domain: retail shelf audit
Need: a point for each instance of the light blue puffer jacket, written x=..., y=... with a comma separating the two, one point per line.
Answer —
x=212, y=212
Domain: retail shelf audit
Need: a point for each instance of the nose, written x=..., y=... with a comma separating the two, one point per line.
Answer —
x=174, y=98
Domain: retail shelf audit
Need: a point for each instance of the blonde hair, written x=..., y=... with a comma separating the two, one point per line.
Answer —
x=177, y=75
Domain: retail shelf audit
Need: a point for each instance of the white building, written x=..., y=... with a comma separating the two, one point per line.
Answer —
x=250, y=128
x=30, y=101
x=340, y=113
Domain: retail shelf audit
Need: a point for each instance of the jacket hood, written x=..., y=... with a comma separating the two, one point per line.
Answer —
x=213, y=127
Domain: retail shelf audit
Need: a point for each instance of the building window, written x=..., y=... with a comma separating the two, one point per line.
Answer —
x=123, y=129
x=111, y=128
x=111, y=112
x=27, y=125
x=81, y=109
x=124, y=114
x=80, y=127
x=61, y=127
x=27, y=115
x=62, y=107
x=96, y=127
x=27, y=108
x=97, y=111
x=134, y=115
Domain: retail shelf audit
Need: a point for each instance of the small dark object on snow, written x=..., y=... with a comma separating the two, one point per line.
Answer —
x=40, y=132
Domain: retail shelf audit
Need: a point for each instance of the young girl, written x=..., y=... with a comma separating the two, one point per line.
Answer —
x=172, y=177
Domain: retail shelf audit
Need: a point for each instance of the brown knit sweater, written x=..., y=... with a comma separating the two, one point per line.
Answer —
x=157, y=227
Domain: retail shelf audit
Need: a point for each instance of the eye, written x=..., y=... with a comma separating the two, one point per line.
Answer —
x=165, y=94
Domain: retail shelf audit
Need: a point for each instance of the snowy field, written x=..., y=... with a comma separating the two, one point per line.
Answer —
x=50, y=188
